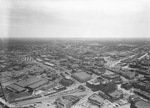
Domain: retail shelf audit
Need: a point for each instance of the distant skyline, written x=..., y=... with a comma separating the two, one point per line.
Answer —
x=77, y=18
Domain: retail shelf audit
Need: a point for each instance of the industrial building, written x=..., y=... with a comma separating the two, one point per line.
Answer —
x=81, y=76
x=96, y=99
x=15, y=88
x=28, y=81
x=38, y=84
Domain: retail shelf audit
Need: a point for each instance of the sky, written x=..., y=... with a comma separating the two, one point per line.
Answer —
x=76, y=18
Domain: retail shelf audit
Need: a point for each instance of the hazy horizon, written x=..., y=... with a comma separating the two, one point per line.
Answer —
x=75, y=19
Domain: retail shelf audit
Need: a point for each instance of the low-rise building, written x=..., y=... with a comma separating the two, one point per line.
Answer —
x=113, y=77
x=94, y=86
x=143, y=94
x=140, y=104
x=115, y=95
x=96, y=99
x=66, y=82
x=28, y=81
x=66, y=101
x=15, y=88
x=128, y=74
x=81, y=76
x=38, y=84
x=101, y=84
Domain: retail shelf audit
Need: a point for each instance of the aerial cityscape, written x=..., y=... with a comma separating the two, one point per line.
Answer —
x=75, y=73
x=74, y=53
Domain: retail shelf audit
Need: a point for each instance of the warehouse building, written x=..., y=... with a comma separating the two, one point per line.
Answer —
x=28, y=81
x=81, y=76
x=15, y=88
x=38, y=84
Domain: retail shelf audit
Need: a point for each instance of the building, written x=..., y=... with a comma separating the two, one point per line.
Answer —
x=143, y=94
x=60, y=88
x=107, y=86
x=102, y=94
x=140, y=104
x=38, y=84
x=128, y=74
x=94, y=86
x=50, y=85
x=126, y=86
x=81, y=76
x=115, y=95
x=28, y=81
x=139, y=85
x=98, y=71
x=66, y=82
x=113, y=77
x=66, y=101
x=96, y=99
x=101, y=84
x=15, y=88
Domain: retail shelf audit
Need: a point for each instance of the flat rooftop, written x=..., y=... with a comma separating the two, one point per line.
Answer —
x=38, y=84
x=96, y=98
x=28, y=81
x=82, y=75
x=115, y=94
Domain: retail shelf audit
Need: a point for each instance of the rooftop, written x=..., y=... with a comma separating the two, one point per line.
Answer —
x=15, y=87
x=81, y=76
x=28, y=81
x=115, y=94
x=95, y=97
x=142, y=104
x=38, y=84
